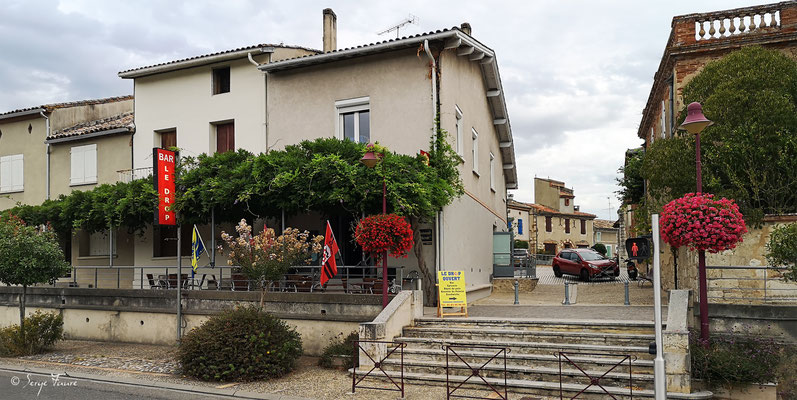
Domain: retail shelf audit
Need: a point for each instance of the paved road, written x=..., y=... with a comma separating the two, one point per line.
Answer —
x=42, y=385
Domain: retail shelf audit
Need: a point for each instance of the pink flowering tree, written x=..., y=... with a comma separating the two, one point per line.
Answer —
x=701, y=222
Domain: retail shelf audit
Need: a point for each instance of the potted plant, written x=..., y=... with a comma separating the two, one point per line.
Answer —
x=702, y=222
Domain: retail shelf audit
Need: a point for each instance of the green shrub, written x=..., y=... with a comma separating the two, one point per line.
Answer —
x=600, y=248
x=521, y=244
x=42, y=330
x=782, y=249
x=341, y=347
x=242, y=344
x=730, y=360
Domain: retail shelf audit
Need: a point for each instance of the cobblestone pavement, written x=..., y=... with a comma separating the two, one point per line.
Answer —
x=126, y=356
x=546, y=276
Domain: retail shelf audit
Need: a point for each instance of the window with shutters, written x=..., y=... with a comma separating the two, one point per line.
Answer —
x=221, y=80
x=597, y=236
x=354, y=119
x=12, y=173
x=225, y=137
x=519, y=226
x=583, y=227
x=83, y=164
x=168, y=138
x=548, y=227
x=567, y=225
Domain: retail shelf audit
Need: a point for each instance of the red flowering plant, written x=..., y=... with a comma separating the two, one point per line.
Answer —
x=384, y=233
x=700, y=221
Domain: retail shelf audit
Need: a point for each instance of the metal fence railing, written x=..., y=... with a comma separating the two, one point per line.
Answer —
x=749, y=285
x=357, y=279
x=543, y=259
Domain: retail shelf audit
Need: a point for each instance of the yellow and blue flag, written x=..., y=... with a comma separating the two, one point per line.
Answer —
x=197, y=248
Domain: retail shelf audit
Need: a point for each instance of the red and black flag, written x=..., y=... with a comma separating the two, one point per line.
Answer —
x=329, y=267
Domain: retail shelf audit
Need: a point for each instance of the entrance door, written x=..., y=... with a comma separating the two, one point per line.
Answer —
x=502, y=255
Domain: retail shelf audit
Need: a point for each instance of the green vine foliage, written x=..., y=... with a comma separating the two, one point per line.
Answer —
x=750, y=153
x=322, y=175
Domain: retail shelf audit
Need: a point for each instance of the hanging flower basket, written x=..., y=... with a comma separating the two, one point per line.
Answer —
x=385, y=232
x=701, y=222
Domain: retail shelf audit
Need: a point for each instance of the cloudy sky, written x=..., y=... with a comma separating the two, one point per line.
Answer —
x=576, y=73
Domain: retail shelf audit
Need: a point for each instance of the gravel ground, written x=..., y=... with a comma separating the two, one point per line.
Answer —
x=156, y=363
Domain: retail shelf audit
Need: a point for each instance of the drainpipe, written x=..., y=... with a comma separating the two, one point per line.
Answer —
x=265, y=97
x=47, y=134
x=435, y=110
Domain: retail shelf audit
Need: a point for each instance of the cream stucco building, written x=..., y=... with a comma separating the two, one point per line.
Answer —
x=269, y=96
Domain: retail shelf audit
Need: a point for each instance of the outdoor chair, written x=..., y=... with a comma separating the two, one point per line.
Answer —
x=239, y=282
x=153, y=284
x=212, y=283
x=173, y=281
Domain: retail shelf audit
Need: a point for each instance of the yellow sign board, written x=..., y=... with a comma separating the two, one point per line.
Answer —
x=451, y=292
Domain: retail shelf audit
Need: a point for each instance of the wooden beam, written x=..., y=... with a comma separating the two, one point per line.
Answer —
x=452, y=43
x=509, y=166
x=476, y=56
x=505, y=145
x=499, y=121
x=493, y=92
x=487, y=60
x=465, y=50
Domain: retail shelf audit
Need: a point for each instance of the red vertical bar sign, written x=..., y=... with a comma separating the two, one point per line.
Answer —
x=163, y=165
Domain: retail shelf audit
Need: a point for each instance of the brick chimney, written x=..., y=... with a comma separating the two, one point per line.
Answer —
x=465, y=27
x=330, y=30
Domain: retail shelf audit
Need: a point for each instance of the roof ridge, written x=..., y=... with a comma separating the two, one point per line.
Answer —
x=219, y=52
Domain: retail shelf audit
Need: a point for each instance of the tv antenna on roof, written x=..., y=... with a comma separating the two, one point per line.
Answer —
x=411, y=19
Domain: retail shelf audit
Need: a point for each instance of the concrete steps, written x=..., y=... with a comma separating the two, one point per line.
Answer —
x=533, y=360
x=514, y=335
x=532, y=363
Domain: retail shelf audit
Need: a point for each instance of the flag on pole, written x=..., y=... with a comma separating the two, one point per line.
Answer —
x=197, y=248
x=329, y=267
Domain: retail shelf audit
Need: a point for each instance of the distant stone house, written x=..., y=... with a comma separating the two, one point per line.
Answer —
x=553, y=221
x=607, y=234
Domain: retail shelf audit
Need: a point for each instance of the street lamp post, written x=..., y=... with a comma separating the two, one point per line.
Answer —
x=370, y=159
x=694, y=123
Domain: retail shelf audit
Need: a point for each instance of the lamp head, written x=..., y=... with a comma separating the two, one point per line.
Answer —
x=370, y=159
x=695, y=121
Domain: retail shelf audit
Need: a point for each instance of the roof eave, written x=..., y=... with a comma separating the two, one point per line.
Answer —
x=196, y=62
x=23, y=113
x=113, y=131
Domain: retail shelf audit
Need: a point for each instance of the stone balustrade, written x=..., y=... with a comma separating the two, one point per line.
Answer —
x=736, y=22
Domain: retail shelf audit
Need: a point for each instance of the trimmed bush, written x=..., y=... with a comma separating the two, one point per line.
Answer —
x=42, y=331
x=341, y=347
x=600, y=248
x=242, y=344
x=735, y=359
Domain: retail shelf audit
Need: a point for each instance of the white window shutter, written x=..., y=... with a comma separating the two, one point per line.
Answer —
x=5, y=174
x=77, y=165
x=17, y=169
x=90, y=164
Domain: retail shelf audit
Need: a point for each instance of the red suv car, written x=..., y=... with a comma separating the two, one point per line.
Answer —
x=584, y=263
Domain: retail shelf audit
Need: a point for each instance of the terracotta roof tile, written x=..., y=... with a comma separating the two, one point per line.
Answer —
x=603, y=224
x=122, y=121
x=53, y=106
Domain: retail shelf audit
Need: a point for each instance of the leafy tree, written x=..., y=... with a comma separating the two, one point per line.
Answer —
x=29, y=255
x=600, y=248
x=782, y=249
x=632, y=184
x=750, y=153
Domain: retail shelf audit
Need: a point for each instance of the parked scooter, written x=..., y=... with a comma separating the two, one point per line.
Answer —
x=632, y=270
